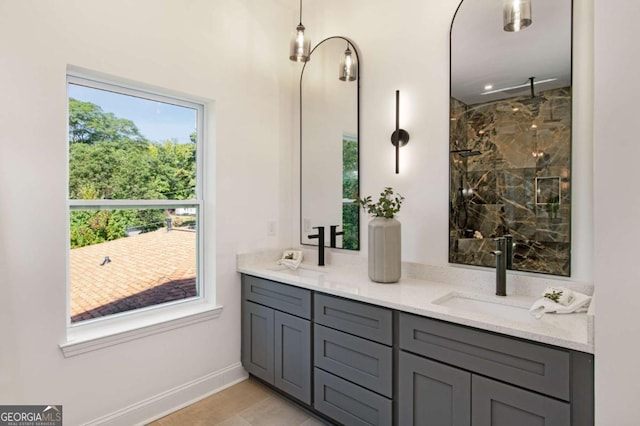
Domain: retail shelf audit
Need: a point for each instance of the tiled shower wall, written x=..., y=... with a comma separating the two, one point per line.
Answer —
x=517, y=182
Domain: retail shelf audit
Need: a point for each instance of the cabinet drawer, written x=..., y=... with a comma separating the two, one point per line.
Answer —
x=358, y=360
x=528, y=365
x=497, y=404
x=366, y=321
x=349, y=404
x=293, y=300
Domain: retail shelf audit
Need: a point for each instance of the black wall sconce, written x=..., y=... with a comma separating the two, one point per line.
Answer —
x=400, y=137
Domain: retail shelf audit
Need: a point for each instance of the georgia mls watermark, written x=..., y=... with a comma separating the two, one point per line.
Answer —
x=30, y=415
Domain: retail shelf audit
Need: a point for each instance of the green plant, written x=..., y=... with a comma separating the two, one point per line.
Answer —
x=387, y=206
x=554, y=295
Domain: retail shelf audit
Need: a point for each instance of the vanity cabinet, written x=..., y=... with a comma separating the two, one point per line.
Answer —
x=454, y=375
x=353, y=361
x=276, y=335
x=363, y=364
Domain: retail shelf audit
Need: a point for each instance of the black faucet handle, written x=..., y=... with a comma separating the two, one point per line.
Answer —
x=334, y=233
x=320, y=237
x=334, y=229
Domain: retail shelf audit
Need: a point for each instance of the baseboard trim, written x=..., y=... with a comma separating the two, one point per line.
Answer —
x=155, y=407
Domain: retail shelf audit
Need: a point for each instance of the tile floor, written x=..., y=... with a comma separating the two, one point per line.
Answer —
x=249, y=403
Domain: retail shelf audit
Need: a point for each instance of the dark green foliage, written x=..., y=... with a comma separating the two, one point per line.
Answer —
x=174, y=170
x=350, y=212
x=349, y=168
x=97, y=226
x=91, y=227
x=351, y=223
x=132, y=170
x=89, y=124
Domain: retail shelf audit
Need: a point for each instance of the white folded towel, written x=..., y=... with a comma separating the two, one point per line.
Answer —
x=544, y=305
x=291, y=259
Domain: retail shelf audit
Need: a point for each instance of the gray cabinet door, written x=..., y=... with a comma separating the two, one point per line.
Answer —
x=499, y=404
x=293, y=356
x=257, y=340
x=431, y=393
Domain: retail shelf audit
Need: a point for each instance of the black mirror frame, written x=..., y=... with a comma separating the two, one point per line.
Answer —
x=356, y=52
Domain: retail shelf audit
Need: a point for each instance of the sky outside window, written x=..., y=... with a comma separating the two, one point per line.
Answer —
x=157, y=121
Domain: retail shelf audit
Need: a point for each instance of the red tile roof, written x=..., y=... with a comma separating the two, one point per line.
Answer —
x=144, y=270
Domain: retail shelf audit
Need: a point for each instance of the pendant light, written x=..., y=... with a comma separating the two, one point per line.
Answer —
x=516, y=15
x=300, y=45
x=348, y=66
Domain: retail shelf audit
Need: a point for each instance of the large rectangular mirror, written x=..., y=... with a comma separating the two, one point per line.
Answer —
x=510, y=134
x=329, y=144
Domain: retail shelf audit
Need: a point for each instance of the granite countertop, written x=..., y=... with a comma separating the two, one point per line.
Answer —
x=423, y=297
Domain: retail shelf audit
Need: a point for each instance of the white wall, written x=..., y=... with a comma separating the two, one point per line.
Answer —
x=233, y=52
x=617, y=210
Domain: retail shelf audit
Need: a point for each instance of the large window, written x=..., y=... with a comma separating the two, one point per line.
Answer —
x=135, y=199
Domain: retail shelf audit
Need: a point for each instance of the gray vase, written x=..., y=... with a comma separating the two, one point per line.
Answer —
x=384, y=250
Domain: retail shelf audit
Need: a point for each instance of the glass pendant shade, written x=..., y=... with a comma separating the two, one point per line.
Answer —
x=516, y=15
x=300, y=46
x=348, y=66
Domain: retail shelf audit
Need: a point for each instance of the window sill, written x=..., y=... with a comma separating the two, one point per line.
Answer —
x=102, y=334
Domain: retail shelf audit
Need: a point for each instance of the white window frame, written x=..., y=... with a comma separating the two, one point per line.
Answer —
x=89, y=335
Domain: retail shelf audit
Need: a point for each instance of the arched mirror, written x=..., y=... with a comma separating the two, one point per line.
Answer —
x=329, y=136
x=510, y=134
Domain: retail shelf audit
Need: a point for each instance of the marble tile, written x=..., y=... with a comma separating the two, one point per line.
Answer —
x=518, y=145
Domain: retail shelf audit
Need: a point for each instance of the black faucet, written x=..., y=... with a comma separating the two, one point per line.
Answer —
x=334, y=233
x=501, y=266
x=320, y=237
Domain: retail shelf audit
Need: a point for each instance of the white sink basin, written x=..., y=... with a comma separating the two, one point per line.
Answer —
x=303, y=271
x=495, y=306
